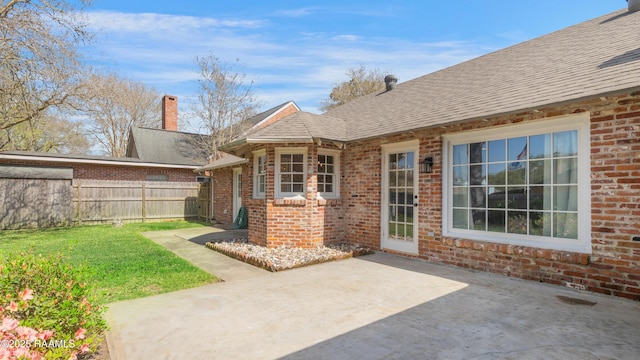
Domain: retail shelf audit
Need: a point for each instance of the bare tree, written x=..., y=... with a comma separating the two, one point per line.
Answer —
x=114, y=105
x=40, y=69
x=52, y=133
x=224, y=99
x=361, y=82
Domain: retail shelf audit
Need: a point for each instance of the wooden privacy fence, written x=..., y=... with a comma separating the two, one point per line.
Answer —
x=133, y=201
x=45, y=203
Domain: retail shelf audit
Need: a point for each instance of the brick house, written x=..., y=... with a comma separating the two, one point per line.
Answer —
x=152, y=155
x=524, y=162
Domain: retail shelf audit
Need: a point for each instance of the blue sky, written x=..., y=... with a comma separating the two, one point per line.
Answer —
x=297, y=50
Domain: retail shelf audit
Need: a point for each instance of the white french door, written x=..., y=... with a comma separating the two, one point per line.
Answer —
x=399, y=221
x=237, y=192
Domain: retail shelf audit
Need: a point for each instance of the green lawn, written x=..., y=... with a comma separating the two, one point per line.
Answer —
x=123, y=263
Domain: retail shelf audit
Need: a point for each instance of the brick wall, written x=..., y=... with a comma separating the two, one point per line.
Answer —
x=113, y=172
x=223, y=195
x=614, y=266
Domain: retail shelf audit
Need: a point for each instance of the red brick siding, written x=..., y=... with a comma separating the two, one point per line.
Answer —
x=223, y=195
x=614, y=266
x=113, y=172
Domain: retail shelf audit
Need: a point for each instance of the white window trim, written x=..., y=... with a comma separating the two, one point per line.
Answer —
x=290, y=150
x=256, y=193
x=579, y=122
x=335, y=194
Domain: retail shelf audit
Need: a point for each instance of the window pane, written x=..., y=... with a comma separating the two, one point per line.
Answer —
x=540, y=198
x=285, y=187
x=401, y=214
x=460, y=218
x=497, y=150
x=565, y=143
x=320, y=179
x=479, y=221
x=409, y=160
x=478, y=197
x=517, y=198
x=329, y=169
x=460, y=155
x=460, y=196
x=497, y=174
x=517, y=149
x=298, y=158
x=329, y=159
x=328, y=188
x=565, y=198
x=540, y=224
x=402, y=161
x=496, y=221
x=460, y=175
x=298, y=168
x=477, y=174
x=409, y=198
x=298, y=188
x=298, y=178
x=517, y=222
x=497, y=197
x=477, y=153
x=286, y=178
x=565, y=225
x=517, y=172
x=393, y=197
x=408, y=233
x=566, y=171
x=393, y=213
x=540, y=146
x=540, y=172
x=285, y=167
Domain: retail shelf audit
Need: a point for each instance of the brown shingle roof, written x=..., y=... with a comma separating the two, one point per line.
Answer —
x=597, y=57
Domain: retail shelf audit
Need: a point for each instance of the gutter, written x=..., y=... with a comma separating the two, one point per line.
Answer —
x=95, y=162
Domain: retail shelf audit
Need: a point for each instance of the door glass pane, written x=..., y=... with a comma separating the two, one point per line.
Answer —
x=393, y=161
x=408, y=234
x=409, y=178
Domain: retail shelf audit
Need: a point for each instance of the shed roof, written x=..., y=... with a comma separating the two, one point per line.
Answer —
x=167, y=147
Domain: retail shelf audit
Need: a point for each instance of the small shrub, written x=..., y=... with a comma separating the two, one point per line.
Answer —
x=52, y=303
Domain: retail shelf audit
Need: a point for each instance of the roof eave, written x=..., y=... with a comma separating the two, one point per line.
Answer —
x=221, y=166
x=94, y=162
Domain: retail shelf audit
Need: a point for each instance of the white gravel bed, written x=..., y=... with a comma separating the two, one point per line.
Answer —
x=282, y=258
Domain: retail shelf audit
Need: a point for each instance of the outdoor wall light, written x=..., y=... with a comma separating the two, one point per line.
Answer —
x=426, y=166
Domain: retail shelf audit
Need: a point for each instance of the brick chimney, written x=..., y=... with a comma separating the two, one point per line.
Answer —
x=170, y=113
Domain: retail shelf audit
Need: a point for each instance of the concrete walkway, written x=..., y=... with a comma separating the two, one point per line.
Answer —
x=374, y=307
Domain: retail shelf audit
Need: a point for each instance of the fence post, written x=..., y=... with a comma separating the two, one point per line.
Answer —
x=78, y=203
x=144, y=202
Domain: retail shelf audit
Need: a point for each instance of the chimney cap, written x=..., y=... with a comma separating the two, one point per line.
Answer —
x=634, y=5
x=391, y=81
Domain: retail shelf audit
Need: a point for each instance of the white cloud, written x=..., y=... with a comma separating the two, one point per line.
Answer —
x=159, y=50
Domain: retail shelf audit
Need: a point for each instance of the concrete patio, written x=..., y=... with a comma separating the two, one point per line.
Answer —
x=375, y=307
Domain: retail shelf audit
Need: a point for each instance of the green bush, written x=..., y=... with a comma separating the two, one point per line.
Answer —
x=52, y=300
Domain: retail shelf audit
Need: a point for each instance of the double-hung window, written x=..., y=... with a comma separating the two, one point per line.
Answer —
x=523, y=184
x=328, y=173
x=291, y=172
x=259, y=174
